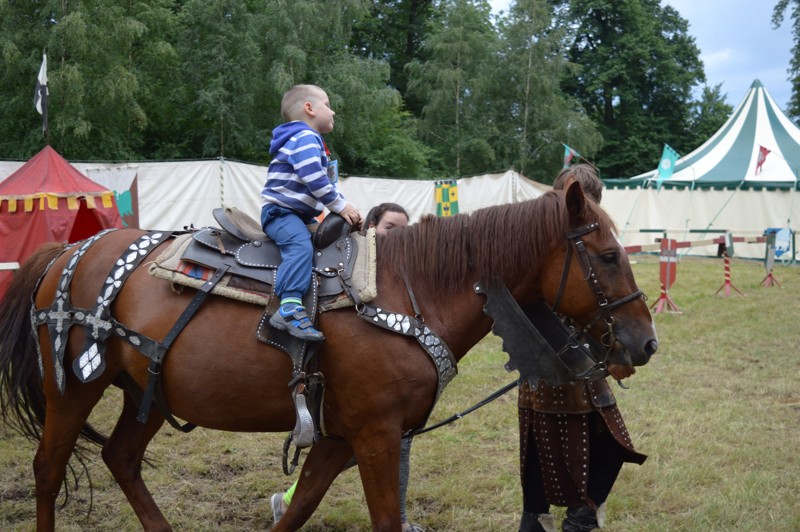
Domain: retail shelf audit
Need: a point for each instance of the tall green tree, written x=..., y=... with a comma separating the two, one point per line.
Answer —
x=708, y=115
x=639, y=65
x=309, y=42
x=460, y=48
x=525, y=103
x=394, y=32
x=778, y=14
x=218, y=44
x=99, y=52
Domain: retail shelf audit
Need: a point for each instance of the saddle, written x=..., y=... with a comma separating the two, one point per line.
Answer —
x=248, y=252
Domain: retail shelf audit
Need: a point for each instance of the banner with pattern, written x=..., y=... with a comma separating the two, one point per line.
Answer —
x=446, y=197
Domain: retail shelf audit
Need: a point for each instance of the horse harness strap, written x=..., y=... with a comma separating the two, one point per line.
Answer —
x=154, y=370
x=99, y=323
x=575, y=240
x=440, y=354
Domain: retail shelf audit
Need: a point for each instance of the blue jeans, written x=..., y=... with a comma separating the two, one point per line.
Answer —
x=289, y=231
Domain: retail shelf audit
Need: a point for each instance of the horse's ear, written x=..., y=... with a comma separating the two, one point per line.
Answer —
x=576, y=202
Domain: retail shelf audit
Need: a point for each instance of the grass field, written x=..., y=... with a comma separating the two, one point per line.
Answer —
x=717, y=411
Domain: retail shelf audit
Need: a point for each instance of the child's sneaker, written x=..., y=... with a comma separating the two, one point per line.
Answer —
x=294, y=320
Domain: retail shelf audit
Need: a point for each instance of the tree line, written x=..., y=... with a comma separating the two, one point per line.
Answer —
x=421, y=88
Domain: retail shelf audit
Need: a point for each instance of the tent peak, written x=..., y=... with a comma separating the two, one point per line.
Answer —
x=756, y=84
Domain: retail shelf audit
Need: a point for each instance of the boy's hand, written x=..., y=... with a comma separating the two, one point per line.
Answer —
x=351, y=214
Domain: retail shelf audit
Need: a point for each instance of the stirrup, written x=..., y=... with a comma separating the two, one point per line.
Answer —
x=303, y=433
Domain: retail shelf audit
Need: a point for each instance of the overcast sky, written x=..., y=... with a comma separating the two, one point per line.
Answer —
x=737, y=44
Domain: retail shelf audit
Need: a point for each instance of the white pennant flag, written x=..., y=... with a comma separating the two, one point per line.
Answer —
x=40, y=96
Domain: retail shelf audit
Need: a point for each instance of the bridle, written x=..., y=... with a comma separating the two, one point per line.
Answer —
x=575, y=241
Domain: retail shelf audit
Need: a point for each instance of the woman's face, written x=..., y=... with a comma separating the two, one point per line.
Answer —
x=389, y=221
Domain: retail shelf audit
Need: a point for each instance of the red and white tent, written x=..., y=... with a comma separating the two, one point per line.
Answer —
x=49, y=200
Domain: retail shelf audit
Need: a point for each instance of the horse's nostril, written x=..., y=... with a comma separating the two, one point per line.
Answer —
x=651, y=347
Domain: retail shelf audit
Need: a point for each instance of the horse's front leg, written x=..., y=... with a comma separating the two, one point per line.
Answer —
x=378, y=457
x=324, y=462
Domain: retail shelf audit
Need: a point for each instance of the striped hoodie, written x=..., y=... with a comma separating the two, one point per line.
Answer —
x=297, y=177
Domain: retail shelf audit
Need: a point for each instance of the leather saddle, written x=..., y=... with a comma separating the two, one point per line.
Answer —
x=241, y=244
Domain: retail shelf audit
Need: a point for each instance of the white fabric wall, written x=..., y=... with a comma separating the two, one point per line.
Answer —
x=742, y=212
x=176, y=194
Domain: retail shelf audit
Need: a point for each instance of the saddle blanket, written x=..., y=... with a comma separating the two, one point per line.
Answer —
x=169, y=267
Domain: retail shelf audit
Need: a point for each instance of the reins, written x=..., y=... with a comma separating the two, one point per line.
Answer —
x=459, y=415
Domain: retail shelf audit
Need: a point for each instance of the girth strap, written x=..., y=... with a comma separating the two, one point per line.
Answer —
x=154, y=370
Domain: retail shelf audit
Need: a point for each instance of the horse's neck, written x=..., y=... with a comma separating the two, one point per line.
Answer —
x=459, y=320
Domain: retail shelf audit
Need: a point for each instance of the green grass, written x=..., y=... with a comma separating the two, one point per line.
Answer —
x=717, y=411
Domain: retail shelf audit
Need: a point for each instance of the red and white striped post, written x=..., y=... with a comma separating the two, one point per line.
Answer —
x=727, y=285
x=669, y=267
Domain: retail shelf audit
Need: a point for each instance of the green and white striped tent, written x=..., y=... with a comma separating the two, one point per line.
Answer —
x=729, y=159
x=719, y=186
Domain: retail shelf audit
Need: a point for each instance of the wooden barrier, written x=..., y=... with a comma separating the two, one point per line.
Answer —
x=668, y=260
x=769, y=262
x=668, y=270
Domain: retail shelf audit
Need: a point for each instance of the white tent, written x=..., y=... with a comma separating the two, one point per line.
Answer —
x=175, y=194
x=743, y=179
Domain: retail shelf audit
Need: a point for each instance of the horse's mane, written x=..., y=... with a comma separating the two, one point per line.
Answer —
x=441, y=255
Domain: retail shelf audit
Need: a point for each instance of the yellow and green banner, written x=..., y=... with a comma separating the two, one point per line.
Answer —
x=446, y=197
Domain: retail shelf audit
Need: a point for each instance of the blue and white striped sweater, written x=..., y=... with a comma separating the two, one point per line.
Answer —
x=297, y=177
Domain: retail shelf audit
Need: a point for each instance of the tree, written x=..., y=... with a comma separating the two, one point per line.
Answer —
x=532, y=114
x=394, y=32
x=459, y=48
x=99, y=53
x=794, y=65
x=708, y=115
x=638, y=68
x=219, y=44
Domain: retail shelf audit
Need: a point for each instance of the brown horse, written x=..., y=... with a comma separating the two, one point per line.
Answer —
x=378, y=384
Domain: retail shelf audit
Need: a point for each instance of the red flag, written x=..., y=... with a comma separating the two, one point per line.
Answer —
x=762, y=156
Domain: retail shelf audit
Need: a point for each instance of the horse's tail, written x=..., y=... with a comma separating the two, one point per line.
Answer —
x=22, y=399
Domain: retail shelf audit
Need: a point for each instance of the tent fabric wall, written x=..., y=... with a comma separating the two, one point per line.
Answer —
x=181, y=193
x=743, y=212
x=177, y=194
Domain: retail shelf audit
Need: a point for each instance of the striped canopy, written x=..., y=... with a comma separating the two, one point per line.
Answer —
x=757, y=131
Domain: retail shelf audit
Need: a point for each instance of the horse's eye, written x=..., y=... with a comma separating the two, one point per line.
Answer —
x=610, y=257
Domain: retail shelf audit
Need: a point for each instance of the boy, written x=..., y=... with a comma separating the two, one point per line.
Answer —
x=295, y=193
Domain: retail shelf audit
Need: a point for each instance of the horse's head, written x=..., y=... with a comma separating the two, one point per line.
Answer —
x=590, y=280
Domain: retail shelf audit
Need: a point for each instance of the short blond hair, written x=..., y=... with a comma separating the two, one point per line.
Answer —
x=296, y=97
x=584, y=174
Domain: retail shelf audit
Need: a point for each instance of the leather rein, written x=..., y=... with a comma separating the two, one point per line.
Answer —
x=575, y=242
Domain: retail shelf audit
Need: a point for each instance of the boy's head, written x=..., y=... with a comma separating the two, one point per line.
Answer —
x=584, y=174
x=309, y=104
